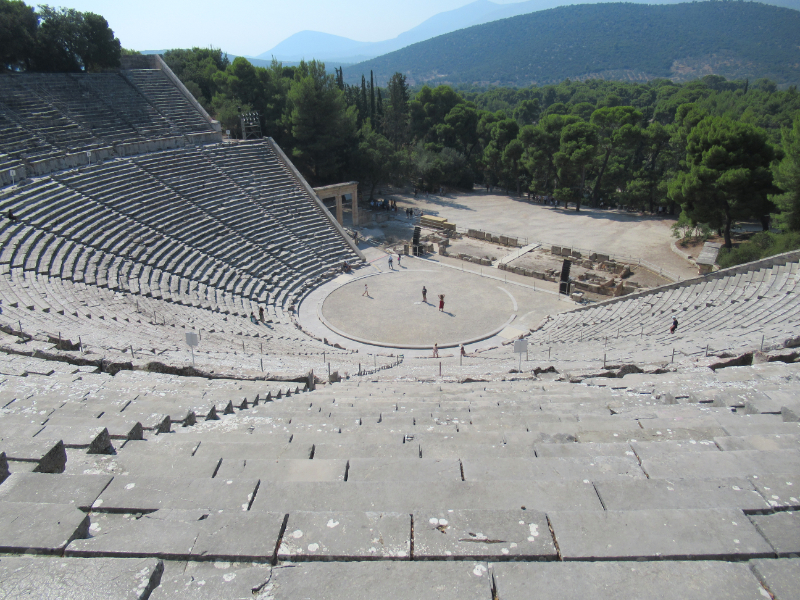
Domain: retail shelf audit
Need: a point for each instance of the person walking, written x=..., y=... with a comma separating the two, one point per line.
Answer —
x=398, y=260
x=435, y=351
x=366, y=291
x=441, y=302
x=391, y=263
x=261, y=313
x=674, y=325
x=463, y=352
x=424, y=294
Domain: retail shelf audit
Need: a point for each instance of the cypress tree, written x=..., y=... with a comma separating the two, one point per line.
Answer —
x=364, y=106
x=371, y=97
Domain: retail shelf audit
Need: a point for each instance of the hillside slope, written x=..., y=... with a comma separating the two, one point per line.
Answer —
x=609, y=41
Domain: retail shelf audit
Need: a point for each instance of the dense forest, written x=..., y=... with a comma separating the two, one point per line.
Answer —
x=718, y=151
x=606, y=41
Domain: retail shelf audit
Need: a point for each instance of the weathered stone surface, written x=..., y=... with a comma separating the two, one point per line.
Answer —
x=718, y=534
x=588, y=449
x=680, y=493
x=412, y=469
x=780, y=576
x=40, y=528
x=213, y=581
x=199, y=535
x=662, y=580
x=780, y=491
x=239, y=536
x=284, y=469
x=346, y=451
x=163, y=534
x=482, y=535
x=255, y=450
x=93, y=439
x=77, y=579
x=164, y=464
x=647, y=450
x=775, y=441
x=49, y=456
x=137, y=494
x=346, y=536
x=782, y=531
x=44, y=488
x=705, y=465
x=399, y=580
x=552, y=469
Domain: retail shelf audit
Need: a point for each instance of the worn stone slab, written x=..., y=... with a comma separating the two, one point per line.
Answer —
x=95, y=440
x=159, y=445
x=44, y=578
x=781, y=491
x=741, y=463
x=718, y=534
x=284, y=469
x=652, y=435
x=158, y=535
x=594, y=468
x=369, y=580
x=48, y=455
x=213, y=581
x=775, y=441
x=587, y=449
x=492, y=535
x=775, y=425
x=412, y=469
x=165, y=465
x=346, y=535
x=680, y=493
x=239, y=536
x=40, y=528
x=782, y=531
x=657, y=580
x=44, y=488
x=326, y=450
x=412, y=496
x=141, y=494
x=645, y=450
x=780, y=576
x=255, y=450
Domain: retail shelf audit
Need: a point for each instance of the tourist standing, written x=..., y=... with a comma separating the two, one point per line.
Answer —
x=424, y=294
x=441, y=302
x=435, y=351
x=366, y=291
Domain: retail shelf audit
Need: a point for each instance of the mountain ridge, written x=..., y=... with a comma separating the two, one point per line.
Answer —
x=677, y=41
x=328, y=47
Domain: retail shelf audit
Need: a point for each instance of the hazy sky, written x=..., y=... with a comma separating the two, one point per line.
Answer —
x=250, y=27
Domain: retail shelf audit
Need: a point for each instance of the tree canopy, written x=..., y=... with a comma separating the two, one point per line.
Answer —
x=55, y=40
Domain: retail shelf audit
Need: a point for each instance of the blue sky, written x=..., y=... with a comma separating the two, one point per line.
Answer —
x=250, y=27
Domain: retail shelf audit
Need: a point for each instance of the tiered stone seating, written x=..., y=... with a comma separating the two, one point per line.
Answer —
x=754, y=305
x=479, y=487
x=168, y=99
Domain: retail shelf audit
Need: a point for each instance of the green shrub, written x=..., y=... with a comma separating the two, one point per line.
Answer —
x=761, y=245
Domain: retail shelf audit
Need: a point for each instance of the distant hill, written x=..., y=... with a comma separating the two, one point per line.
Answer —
x=606, y=41
x=338, y=49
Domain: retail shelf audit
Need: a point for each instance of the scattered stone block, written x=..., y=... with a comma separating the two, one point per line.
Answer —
x=367, y=580
x=482, y=535
x=719, y=534
x=346, y=536
x=782, y=531
x=697, y=580
x=78, y=579
x=40, y=528
x=781, y=576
